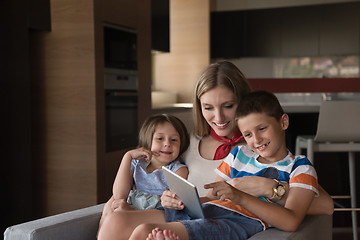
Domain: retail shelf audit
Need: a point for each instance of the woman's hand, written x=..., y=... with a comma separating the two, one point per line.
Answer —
x=169, y=200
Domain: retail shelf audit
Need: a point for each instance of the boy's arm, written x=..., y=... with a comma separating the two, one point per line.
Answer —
x=261, y=186
x=210, y=196
x=323, y=204
x=124, y=179
x=287, y=218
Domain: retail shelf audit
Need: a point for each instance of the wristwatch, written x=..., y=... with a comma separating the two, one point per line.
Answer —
x=279, y=191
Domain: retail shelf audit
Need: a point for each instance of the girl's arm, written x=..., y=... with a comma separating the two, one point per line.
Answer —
x=183, y=172
x=124, y=177
x=261, y=186
x=287, y=218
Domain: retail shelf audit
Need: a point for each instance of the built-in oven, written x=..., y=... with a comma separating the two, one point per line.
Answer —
x=121, y=90
x=121, y=120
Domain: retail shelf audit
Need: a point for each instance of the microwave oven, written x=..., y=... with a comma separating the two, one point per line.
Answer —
x=120, y=45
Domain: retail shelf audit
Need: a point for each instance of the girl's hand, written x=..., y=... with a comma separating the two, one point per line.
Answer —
x=140, y=153
x=120, y=204
x=169, y=200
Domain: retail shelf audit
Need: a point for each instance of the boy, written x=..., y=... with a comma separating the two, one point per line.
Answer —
x=263, y=122
x=233, y=214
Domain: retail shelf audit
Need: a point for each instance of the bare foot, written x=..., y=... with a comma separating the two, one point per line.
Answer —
x=158, y=234
x=152, y=235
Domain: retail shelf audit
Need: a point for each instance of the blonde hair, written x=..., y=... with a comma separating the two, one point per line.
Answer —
x=217, y=74
x=148, y=128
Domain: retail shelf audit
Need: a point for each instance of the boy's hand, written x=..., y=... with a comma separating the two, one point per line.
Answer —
x=222, y=190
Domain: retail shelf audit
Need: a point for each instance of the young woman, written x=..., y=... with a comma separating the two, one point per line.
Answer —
x=217, y=92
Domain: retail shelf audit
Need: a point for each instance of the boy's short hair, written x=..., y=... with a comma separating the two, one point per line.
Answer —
x=147, y=131
x=260, y=102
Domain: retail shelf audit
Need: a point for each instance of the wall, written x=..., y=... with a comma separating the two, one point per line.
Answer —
x=69, y=100
x=189, y=49
x=66, y=119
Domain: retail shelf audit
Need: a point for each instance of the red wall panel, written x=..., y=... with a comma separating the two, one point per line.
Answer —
x=281, y=85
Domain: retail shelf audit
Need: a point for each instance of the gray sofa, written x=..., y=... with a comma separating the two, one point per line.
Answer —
x=82, y=224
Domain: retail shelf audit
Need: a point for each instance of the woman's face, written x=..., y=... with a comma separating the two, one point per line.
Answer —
x=218, y=106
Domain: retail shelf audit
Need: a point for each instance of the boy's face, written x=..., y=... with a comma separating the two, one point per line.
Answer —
x=265, y=135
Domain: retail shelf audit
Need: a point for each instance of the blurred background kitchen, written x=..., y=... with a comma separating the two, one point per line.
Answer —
x=79, y=77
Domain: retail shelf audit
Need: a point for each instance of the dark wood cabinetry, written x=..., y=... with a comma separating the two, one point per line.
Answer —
x=228, y=34
x=339, y=29
x=300, y=31
x=319, y=30
x=160, y=25
x=263, y=35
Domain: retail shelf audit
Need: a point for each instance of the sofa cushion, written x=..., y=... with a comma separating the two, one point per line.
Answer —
x=314, y=227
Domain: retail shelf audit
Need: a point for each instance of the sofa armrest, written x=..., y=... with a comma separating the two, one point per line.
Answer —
x=314, y=227
x=80, y=224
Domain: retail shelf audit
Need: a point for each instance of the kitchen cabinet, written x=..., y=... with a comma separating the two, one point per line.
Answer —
x=228, y=34
x=300, y=31
x=339, y=29
x=39, y=15
x=319, y=30
x=263, y=33
x=160, y=25
x=250, y=33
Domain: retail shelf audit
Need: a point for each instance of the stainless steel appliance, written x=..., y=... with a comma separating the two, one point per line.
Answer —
x=121, y=95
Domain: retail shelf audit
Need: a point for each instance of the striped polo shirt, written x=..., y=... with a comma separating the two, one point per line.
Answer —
x=242, y=161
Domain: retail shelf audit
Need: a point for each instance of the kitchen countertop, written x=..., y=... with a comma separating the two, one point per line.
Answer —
x=288, y=107
x=291, y=102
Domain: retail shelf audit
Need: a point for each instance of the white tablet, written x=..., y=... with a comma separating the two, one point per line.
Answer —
x=186, y=192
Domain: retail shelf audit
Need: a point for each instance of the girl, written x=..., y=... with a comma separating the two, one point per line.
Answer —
x=162, y=140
